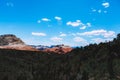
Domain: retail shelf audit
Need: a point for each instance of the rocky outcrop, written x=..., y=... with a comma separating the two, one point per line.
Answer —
x=10, y=41
x=60, y=49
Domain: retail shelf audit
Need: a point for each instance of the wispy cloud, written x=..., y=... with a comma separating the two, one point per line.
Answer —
x=99, y=11
x=79, y=39
x=78, y=23
x=38, y=34
x=105, y=4
x=45, y=19
x=100, y=32
x=98, y=40
x=88, y=24
x=83, y=27
x=58, y=18
x=10, y=4
x=74, y=24
x=38, y=21
x=56, y=39
x=63, y=35
x=94, y=10
x=105, y=11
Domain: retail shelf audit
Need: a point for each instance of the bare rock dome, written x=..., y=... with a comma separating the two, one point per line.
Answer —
x=10, y=39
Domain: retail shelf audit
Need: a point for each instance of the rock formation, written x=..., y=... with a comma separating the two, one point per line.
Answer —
x=60, y=49
x=10, y=41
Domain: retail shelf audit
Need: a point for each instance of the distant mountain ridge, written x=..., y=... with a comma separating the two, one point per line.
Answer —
x=60, y=49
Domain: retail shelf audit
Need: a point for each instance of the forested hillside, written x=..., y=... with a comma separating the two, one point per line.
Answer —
x=92, y=62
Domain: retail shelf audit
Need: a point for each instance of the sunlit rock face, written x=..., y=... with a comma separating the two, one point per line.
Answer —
x=10, y=41
x=60, y=49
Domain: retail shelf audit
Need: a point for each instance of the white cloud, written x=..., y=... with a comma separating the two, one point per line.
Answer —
x=38, y=34
x=106, y=4
x=88, y=24
x=78, y=23
x=56, y=39
x=94, y=10
x=31, y=41
x=61, y=32
x=63, y=35
x=58, y=18
x=98, y=40
x=45, y=19
x=38, y=21
x=74, y=24
x=109, y=34
x=100, y=32
x=99, y=11
x=83, y=27
x=105, y=11
x=10, y=4
x=79, y=39
x=94, y=32
x=72, y=34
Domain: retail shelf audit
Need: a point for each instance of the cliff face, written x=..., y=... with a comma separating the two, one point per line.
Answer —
x=10, y=41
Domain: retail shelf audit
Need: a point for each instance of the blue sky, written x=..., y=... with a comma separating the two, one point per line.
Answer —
x=69, y=22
